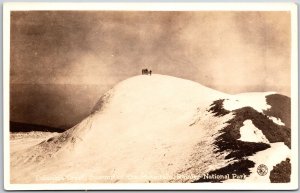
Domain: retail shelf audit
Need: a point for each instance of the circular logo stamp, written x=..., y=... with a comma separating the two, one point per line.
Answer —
x=262, y=170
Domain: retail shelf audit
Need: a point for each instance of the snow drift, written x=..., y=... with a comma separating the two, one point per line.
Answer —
x=161, y=129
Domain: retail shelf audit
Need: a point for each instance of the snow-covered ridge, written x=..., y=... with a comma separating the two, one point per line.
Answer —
x=255, y=100
x=151, y=128
x=150, y=90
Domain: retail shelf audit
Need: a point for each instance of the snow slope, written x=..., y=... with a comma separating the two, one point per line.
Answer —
x=255, y=100
x=146, y=129
x=250, y=133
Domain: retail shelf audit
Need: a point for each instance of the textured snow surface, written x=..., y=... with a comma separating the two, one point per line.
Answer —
x=251, y=133
x=150, y=128
x=253, y=99
x=20, y=141
x=146, y=129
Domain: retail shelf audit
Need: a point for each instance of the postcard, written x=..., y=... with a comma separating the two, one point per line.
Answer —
x=150, y=96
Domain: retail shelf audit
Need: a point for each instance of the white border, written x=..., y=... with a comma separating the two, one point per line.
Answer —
x=17, y=6
x=8, y=7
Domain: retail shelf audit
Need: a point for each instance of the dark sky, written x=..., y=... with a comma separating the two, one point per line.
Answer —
x=229, y=51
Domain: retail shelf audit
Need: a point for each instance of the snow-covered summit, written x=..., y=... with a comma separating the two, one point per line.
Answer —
x=145, y=129
x=159, y=90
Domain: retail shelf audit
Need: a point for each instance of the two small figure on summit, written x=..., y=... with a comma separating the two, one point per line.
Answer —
x=146, y=72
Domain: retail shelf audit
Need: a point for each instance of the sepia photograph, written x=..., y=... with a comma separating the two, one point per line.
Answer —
x=150, y=96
